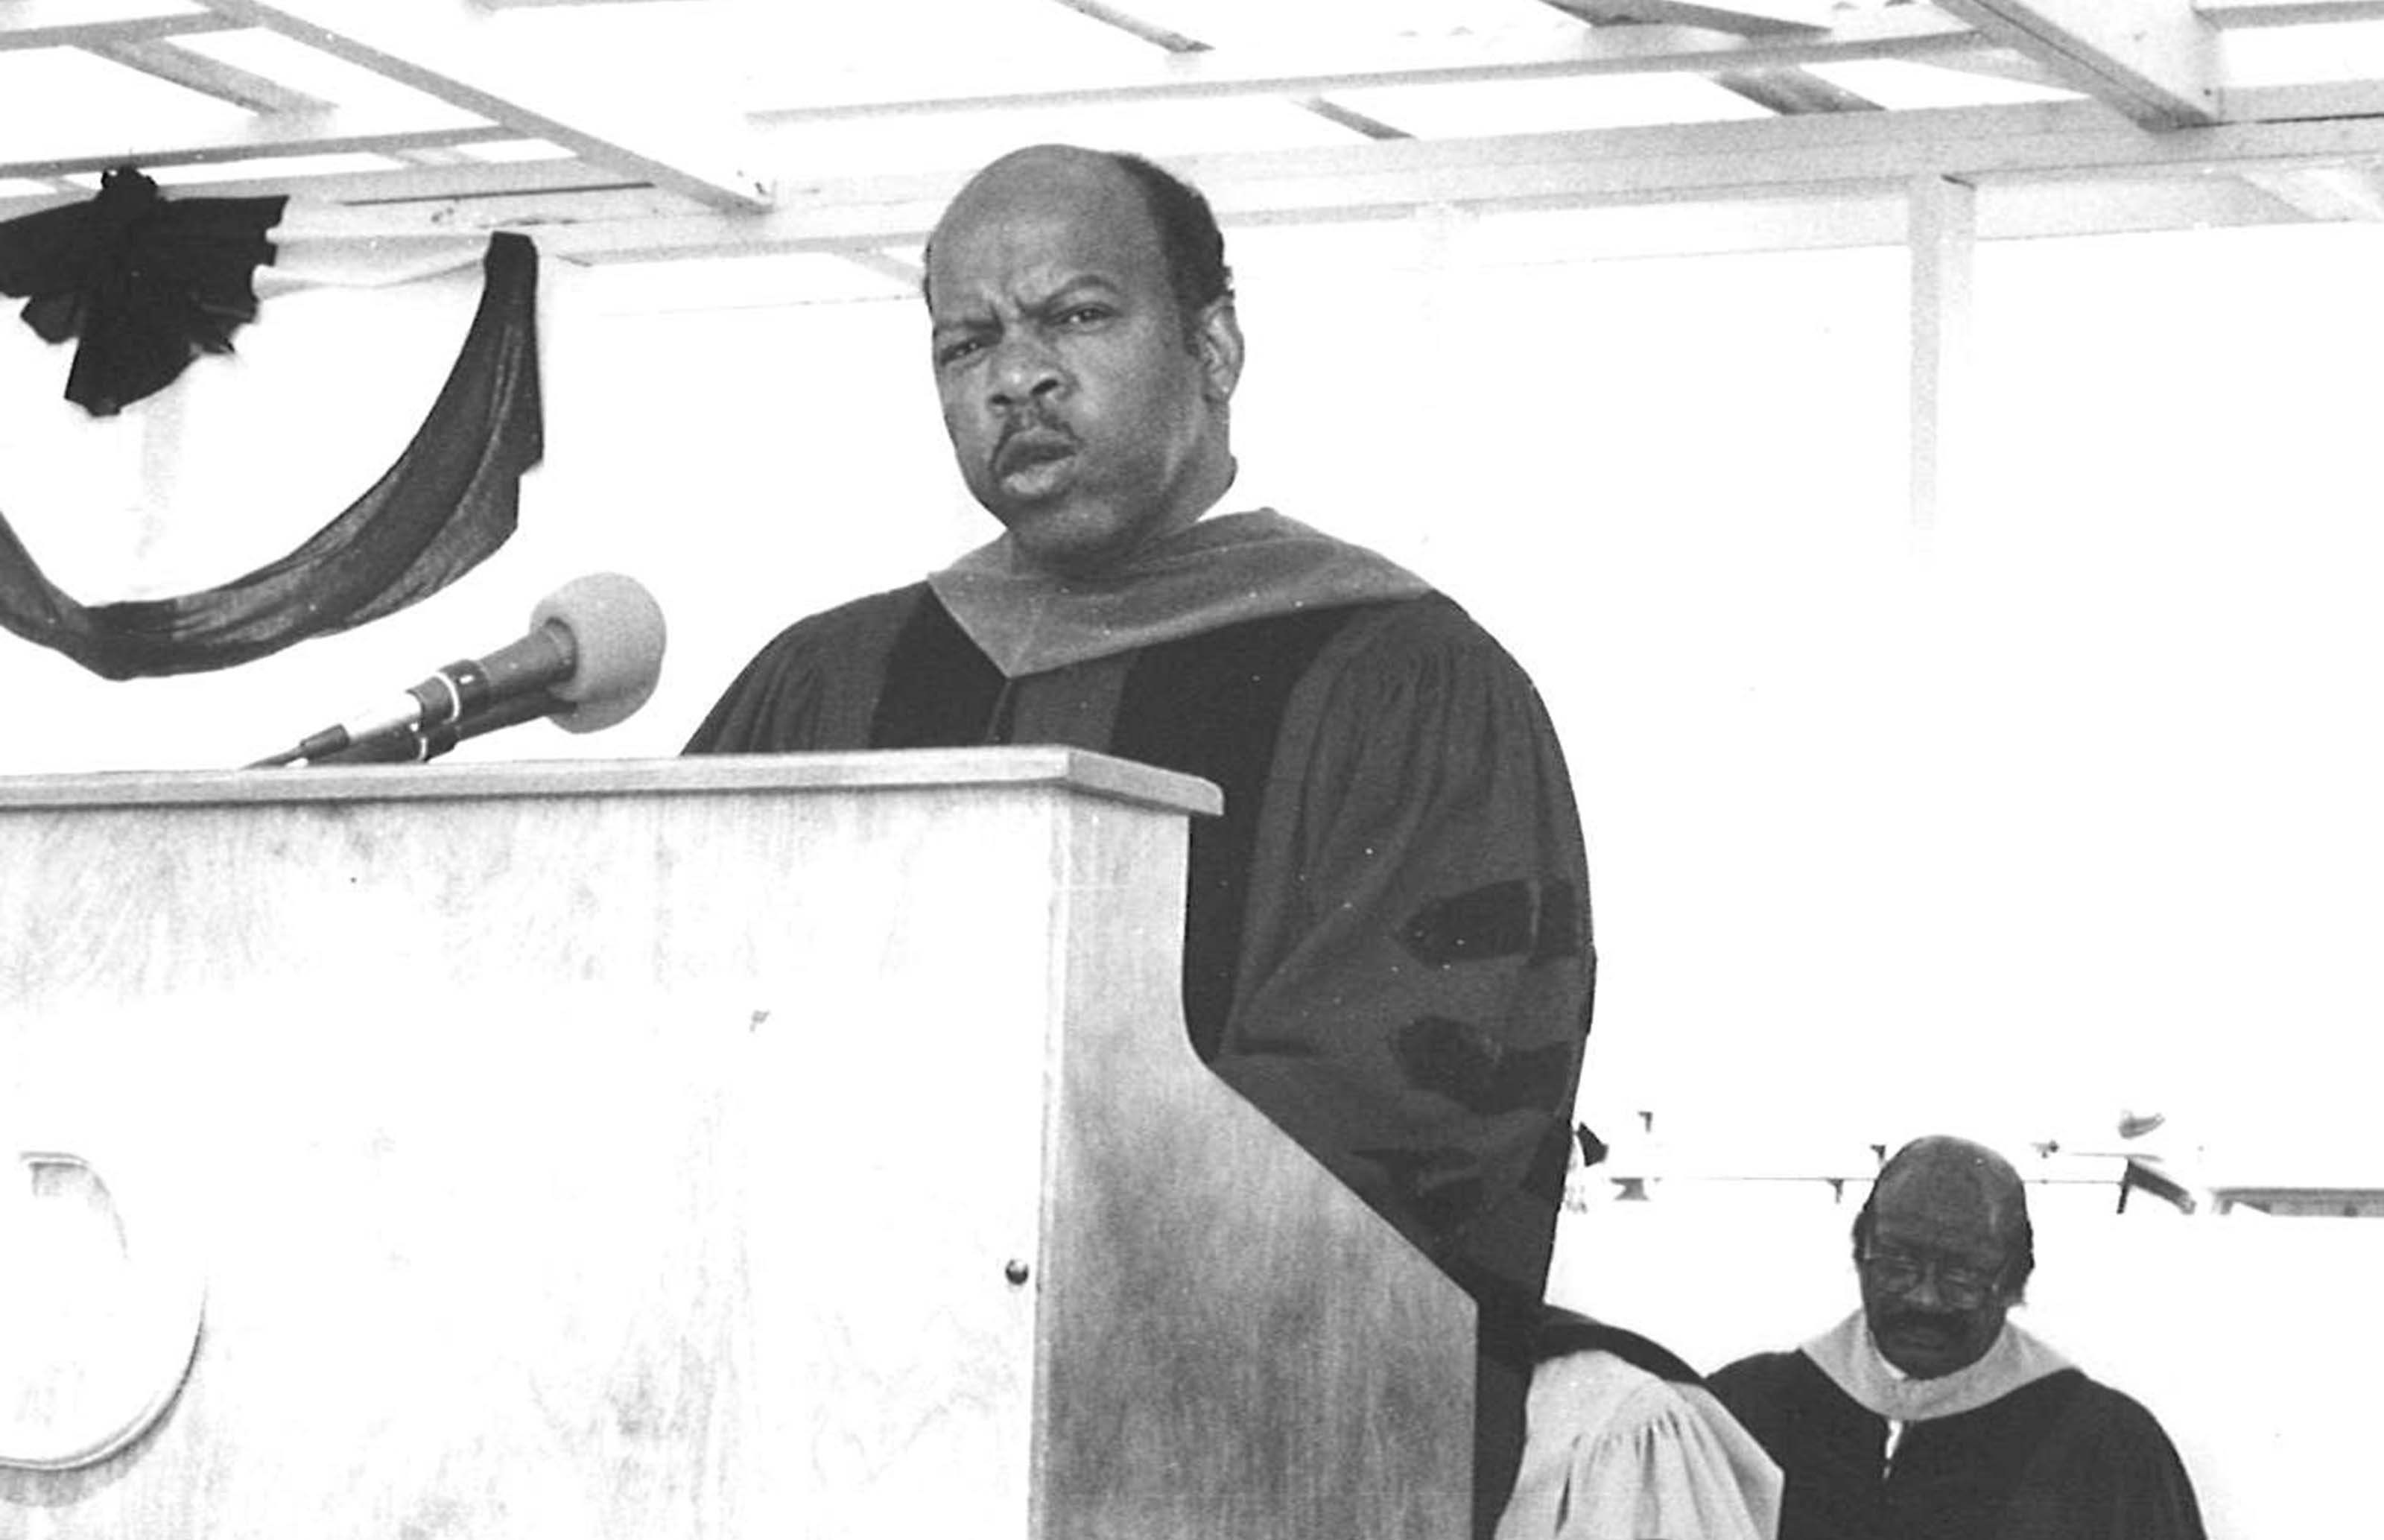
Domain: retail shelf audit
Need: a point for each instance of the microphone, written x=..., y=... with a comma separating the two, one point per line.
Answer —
x=591, y=658
x=420, y=745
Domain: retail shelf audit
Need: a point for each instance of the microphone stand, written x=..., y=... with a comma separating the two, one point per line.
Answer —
x=419, y=746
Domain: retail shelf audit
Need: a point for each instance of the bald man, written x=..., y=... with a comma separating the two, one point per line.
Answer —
x=1927, y=1412
x=1387, y=944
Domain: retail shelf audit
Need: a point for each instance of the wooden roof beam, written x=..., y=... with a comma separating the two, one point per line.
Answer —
x=2154, y=60
x=1753, y=160
x=1790, y=92
x=1900, y=33
x=87, y=23
x=1759, y=158
x=457, y=52
x=2325, y=193
x=1787, y=89
x=304, y=134
x=1745, y=20
x=2287, y=13
x=161, y=60
x=1170, y=41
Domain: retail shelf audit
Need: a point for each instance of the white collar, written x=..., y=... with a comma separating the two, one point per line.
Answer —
x=1848, y=1355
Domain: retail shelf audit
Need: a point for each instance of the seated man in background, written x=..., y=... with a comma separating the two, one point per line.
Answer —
x=1927, y=1414
x=1387, y=944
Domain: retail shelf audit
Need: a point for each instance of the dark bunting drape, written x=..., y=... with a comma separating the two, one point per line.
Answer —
x=147, y=284
x=447, y=502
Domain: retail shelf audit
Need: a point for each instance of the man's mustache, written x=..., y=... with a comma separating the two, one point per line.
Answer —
x=1031, y=435
x=1926, y=1324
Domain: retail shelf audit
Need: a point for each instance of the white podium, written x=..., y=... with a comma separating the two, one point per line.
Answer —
x=789, y=1145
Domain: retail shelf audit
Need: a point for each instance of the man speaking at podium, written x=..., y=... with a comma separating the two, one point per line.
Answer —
x=1387, y=943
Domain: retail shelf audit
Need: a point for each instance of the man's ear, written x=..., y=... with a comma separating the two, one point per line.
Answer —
x=1217, y=340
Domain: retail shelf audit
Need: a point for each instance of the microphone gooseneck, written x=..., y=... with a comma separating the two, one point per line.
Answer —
x=591, y=658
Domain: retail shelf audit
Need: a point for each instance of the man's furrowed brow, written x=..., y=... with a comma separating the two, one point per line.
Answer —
x=1067, y=287
x=978, y=313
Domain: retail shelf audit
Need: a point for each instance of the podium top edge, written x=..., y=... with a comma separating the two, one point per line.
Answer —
x=888, y=769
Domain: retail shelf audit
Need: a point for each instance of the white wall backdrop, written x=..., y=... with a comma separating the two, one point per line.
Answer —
x=2063, y=805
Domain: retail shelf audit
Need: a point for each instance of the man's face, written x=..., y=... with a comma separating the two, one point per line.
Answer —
x=1933, y=1273
x=1083, y=416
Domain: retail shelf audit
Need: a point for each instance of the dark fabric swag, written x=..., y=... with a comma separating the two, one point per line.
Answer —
x=147, y=284
x=444, y=506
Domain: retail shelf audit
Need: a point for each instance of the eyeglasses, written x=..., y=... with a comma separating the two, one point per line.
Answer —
x=1960, y=1287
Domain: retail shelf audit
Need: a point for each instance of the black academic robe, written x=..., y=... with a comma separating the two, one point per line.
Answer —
x=1387, y=943
x=2060, y=1458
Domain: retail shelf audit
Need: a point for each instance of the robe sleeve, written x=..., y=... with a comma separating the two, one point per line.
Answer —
x=1417, y=963
x=1614, y=1453
x=772, y=705
x=812, y=687
x=2106, y=1471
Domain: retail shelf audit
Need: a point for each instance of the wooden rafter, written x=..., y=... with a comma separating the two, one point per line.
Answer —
x=579, y=222
x=1742, y=20
x=2155, y=60
x=1224, y=73
x=658, y=176
x=454, y=51
x=2059, y=142
x=165, y=59
x=1790, y=92
x=87, y=23
x=1167, y=40
x=1854, y=157
x=2326, y=192
x=2287, y=13
x=2067, y=143
x=1784, y=89
x=82, y=150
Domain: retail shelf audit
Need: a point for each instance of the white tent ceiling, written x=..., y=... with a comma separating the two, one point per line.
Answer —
x=628, y=129
x=632, y=131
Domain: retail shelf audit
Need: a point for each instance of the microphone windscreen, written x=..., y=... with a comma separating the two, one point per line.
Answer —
x=617, y=636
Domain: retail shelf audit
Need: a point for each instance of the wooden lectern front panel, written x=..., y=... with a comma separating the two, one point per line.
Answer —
x=788, y=1150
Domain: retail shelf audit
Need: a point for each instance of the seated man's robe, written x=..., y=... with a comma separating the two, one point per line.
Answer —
x=2020, y=1446
x=1387, y=945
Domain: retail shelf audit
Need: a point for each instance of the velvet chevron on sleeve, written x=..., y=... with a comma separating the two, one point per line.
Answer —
x=1416, y=968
